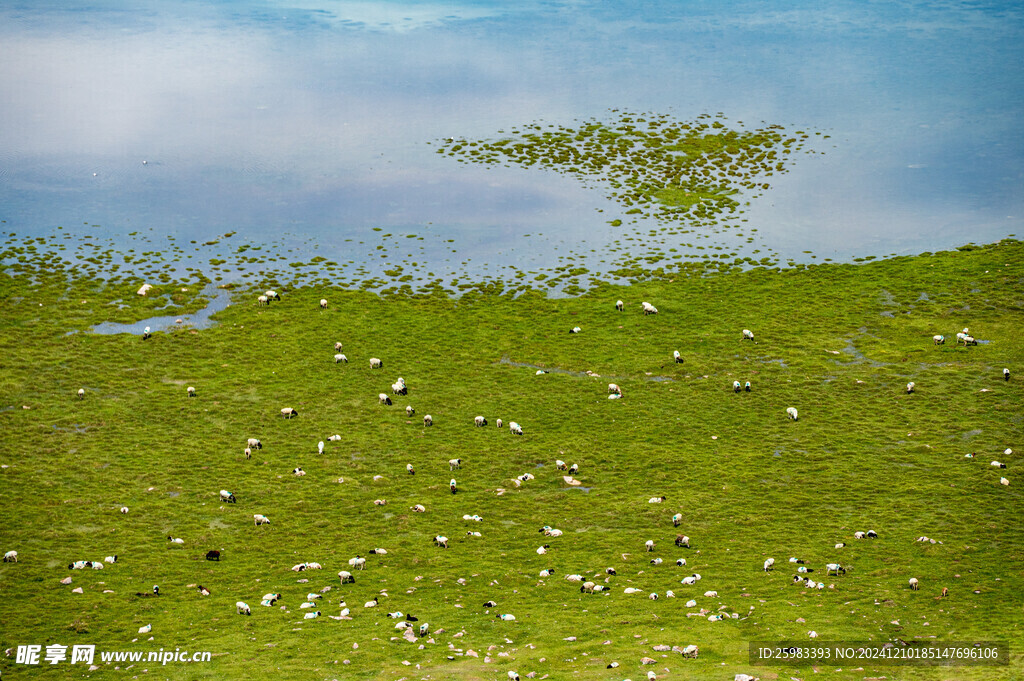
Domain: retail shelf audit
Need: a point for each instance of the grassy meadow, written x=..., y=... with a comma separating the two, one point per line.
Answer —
x=838, y=342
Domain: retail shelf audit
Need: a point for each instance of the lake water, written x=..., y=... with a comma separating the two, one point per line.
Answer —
x=305, y=125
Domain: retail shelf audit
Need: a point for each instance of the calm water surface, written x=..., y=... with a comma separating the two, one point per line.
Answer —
x=307, y=124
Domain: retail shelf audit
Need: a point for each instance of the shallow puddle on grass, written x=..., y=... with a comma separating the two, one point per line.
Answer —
x=200, y=319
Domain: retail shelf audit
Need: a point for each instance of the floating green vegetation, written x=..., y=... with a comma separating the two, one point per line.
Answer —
x=653, y=165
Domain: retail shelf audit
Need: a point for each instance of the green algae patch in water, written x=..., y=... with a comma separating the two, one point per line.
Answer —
x=650, y=164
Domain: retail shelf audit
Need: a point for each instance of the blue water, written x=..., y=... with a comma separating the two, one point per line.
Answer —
x=305, y=125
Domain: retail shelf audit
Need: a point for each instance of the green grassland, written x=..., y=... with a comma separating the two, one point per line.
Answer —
x=838, y=342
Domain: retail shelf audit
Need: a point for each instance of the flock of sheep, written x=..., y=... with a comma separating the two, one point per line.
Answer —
x=590, y=581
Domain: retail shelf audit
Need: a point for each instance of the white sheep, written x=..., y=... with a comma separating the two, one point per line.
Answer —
x=791, y=413
x=340, y=358
x=338, y=346
x=272, y=295
x=682, y=541
x=323, y=303
x=408, y=467
x=452, y=486
x=656, y=500
x=748, y=334
x=515, y=428
x=619, y=305
x=910, y=387
x=454, y=463
x=11, y=557
x=375, y=363
x=1006, y=374
x=346, y=577
x=769, y=564
x=242, y=608
x=736, y=386
x=359, y=563
x=575, y=329
x=648, y=308
x=254, y=443
x=680, y=562
x=110, y=559
x=997, y=464
x=1004, y=482
x=710, y=594
x=676, y=357
x=614, y=389
x=399, y=388
x=677, y=519
x=499, y=423
x=561, y=465
x=261, y=301
x=649, y=545
x=913, y=584
x=124, y=509
x=146, y=333
x=418, y=508
x=746, y=386
x=631, y=590
x=836, y=568
x=298, y=472
x=939, y=339
x=382, y=398
x=480, y=421
x=227, y=496
x=691, y=651
x=190, y=391
x=380, y=502
x=81, y=393
x=260, y=519
x=441, y=541
x=428, y=420
x=289, y=413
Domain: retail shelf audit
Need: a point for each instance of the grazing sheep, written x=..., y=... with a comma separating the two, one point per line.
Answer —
x=769, y=564
x=359, y=563
x=689, y=581
x=110, y=560
x=748, y=335
x=428, y=420
x=338, y=358
x=691, y=651
x=1006, y=374
x=515, y=428
x=657, y=561
x=373, y=603
x=272, y=295
x=858, y=535
x=451, y=485
x=441, y=541
x=382, y=398
x=1004, y=482
x=736, y=386
x=746, y=386
x=680, y=562
x=289, y=413
x=836, y=568
x=619, y=305
x=81, y=393
x=261, y=301
x=375, y=363
x=676, y=357
x=610, y=571
x=338, y=346
x=146, y=334
x=271, y=597
x=320, y=447
x=260, y=519
x=656, y=500
x=227, y=496
x=575, y=329
x=379, y=552
x=677, y=519
x=253, y=442
x=588, y=587
x=547, y=573
x=913, y=584
x=409, y=411
x=399, y=387
x=418, y=508
x=323, y=303
x=513, y=675
x=247, y=452
x=298, y=472
x=649, y=545
x=346, y=577
x=652, y=596
x=571, y=578
x=561, y=465
x=480, y=421
x=910, y=387
x=11, y=557
x=242, y=608
x=939, y=339
x=841, y=545
x=614, y=389
x=499, y=423
x=682, y=541
x=710, y=594
x=791, y=413
x=945, y=592
x=998, y=464
x=648, y=308
x=213, y=555
x=871, y=534
x=549, y=531
x=454, y=463
x=408, y=467
x=380, y=502
x=124, y=509
x=191, y=391
x=203, y=591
